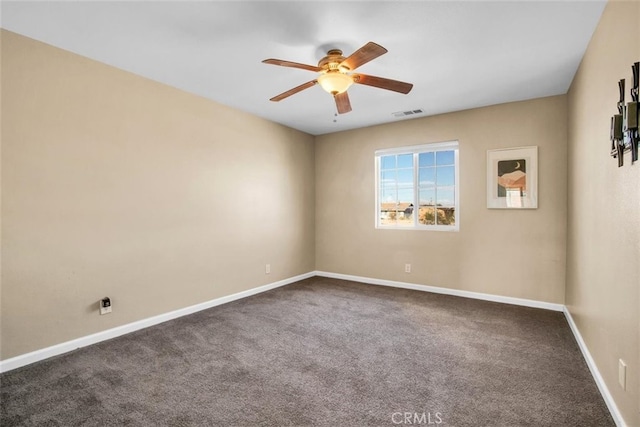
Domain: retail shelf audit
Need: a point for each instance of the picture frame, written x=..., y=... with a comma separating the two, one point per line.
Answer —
x=512, y=178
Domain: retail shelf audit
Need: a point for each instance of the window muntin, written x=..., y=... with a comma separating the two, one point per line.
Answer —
x=425, y=176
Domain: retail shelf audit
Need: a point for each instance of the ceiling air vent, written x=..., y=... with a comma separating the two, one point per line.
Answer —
x=408, y=113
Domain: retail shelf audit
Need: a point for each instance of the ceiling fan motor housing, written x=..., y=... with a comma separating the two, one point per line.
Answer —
x=332, y=61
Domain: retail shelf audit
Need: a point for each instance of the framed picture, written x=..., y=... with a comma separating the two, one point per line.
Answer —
x=512, y=178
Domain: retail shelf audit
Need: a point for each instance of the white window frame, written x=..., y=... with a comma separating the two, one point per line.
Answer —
x=416, y=150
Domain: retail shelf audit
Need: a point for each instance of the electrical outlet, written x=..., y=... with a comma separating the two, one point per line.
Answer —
x=105, y=305
x=407, y=268
x=267, y=269
x=622, y=374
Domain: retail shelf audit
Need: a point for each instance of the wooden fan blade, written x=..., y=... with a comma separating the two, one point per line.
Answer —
x=293, y=91
x=291, y=64
x=363, y=55
x=343, y=103
x=382, y=83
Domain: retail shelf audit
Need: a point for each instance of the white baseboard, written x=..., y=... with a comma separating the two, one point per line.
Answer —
x=446, y=291
x=55, y=350
x=604, y=390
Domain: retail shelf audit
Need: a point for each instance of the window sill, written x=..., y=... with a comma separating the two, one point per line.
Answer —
x=422, y=228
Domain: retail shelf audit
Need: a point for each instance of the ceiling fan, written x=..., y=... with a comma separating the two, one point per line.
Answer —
x=336, y=75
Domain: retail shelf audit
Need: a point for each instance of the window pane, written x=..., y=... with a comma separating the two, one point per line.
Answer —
x=388, y=177
x=446, y=216
x=445, y=196
x=388, y=213
x=439, y=216
x=404, y=214
x=427, y=196
x=426, y=159
x=405, y=195
x=446, y=175
x=444, y=158
x=388, y=162
x=405, y=161
x=405, y=177
x=388, y=194
x=427, y=216
x=427, y=177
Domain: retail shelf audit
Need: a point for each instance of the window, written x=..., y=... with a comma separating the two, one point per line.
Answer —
x=417, y=187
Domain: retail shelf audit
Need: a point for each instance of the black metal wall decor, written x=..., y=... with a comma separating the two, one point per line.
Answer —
x=625, y=135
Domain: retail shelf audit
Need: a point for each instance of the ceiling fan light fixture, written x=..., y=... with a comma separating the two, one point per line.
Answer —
x=335, y=75
x=335, y=82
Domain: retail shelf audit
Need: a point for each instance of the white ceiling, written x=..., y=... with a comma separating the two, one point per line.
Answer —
x=458, y=55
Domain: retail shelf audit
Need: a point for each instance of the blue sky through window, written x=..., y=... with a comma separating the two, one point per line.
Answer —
x=445, y=158
x=436, y=178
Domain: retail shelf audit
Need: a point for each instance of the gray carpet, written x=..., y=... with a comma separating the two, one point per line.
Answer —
x=321, y=352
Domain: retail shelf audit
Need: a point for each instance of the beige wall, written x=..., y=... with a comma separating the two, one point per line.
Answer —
x=115, y=185
x=603, y=263
x=516, y=253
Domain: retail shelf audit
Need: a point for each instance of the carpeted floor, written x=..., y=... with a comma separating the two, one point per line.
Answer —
x=321, y=352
